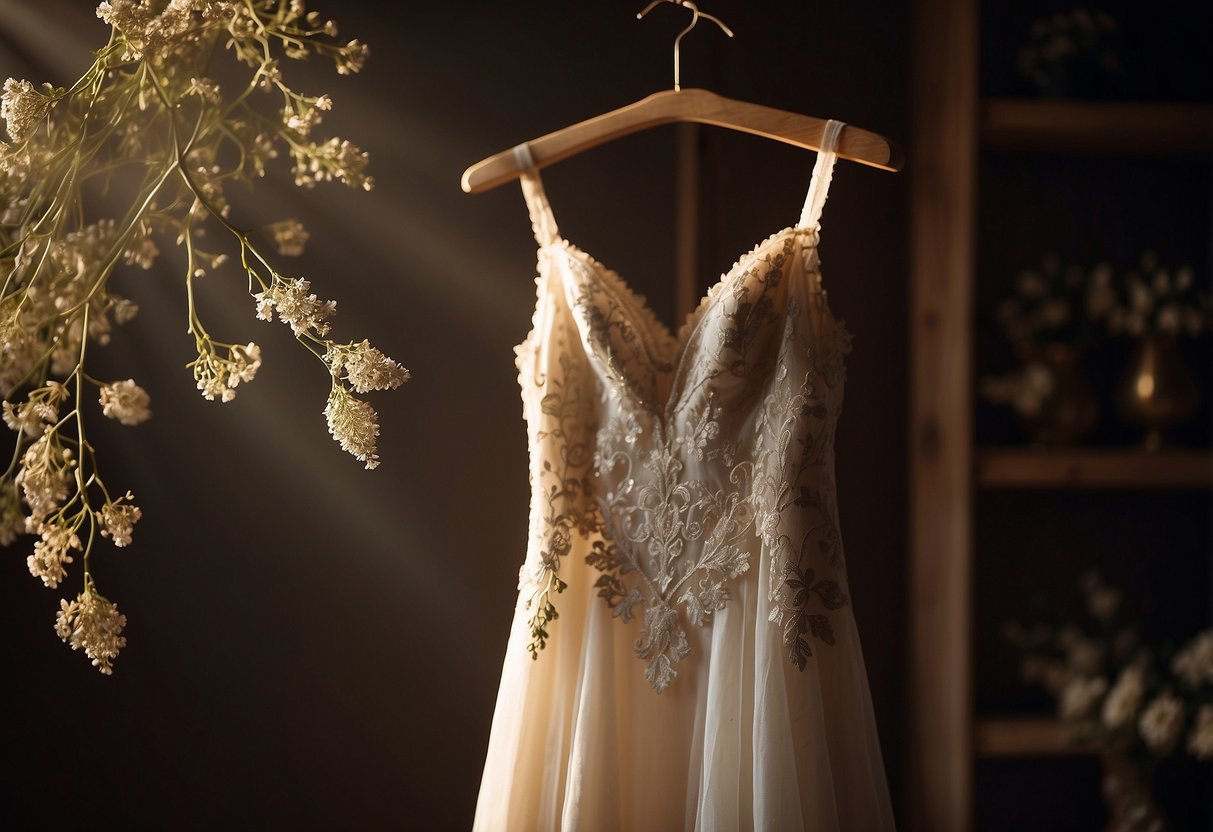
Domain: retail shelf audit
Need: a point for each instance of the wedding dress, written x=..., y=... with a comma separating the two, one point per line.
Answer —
x=683, y=653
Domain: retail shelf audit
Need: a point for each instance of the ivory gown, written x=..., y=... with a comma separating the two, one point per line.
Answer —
x=704, y=671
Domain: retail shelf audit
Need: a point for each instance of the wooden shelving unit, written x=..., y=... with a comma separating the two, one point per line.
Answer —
x=1093, y=468
x=1023, y=737
x=1097, y=126
x=953, y=126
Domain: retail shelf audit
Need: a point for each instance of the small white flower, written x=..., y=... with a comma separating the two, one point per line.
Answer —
x=1080, y=696
x=118, y=520
x=270, y=74
x=141, y=252
x=218, y=377
x=205, y=88
x=1125, y=697
x=301, y=124
x=1200, y=741
x=295, y=306
x=214, y=387
x=366, y=368
x=1194, y=663
x=1161, y=722
x=30, y=417
x=289, y=237
x=355, y=426
x=246, y=361
x=124, y=310
x=126, y=402
x=265, y=306
x=22, y=107
x=335, y=159
x=51, y=553
x=351, y=57
x=93, y=624
x=44, y=476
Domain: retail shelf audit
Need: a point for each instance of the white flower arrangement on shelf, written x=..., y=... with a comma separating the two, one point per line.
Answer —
x=1154, y=301
x=1054, y=310
x=1115, y=693
x=1053, y=305
x=146, y=118
x=1051, y=310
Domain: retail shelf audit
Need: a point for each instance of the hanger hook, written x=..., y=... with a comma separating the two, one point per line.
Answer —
x=695, y=15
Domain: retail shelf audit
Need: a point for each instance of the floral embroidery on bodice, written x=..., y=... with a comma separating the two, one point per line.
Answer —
x=686, y=460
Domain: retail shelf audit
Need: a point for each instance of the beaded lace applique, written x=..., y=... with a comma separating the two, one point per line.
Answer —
x=671, y=491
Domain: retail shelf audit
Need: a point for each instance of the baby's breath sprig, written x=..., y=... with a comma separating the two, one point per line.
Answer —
x=146, y=120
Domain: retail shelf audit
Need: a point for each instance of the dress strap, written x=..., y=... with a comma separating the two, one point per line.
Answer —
x=823, y=172
x=543, y=223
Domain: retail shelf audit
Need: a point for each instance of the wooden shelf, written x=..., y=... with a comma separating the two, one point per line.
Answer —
x=1094, y=468
x=953, y=126
x=1024, y=737
x=1097, y=126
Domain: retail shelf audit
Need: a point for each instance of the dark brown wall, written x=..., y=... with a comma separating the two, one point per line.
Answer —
x=318, y=646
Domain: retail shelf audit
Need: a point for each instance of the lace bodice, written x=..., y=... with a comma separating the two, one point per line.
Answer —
x=686, y=459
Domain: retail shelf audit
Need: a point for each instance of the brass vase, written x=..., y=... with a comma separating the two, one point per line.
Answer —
x=1157, y=391
x=1071, y=409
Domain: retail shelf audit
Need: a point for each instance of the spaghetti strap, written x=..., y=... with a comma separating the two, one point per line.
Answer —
x=543, y=223
x=823, y=172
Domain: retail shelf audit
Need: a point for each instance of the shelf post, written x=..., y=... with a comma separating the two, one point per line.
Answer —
x=939, y=785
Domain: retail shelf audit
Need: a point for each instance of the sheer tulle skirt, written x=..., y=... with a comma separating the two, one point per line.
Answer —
x=740, y=740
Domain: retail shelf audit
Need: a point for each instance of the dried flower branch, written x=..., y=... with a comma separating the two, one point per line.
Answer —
x=146, y=119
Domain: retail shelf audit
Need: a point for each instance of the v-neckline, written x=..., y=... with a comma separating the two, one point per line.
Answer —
x=676, y=343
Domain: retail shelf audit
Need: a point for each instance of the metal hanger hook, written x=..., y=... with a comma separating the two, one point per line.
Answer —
x=695, y=15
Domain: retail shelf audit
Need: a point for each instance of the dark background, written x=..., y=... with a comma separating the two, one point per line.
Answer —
x=1032, y=545
x=316, y=646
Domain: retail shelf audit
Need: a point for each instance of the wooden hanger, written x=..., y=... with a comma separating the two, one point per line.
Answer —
x=679, y=105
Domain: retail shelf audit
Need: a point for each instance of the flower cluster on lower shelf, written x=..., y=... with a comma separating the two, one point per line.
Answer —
x=1116, y=693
